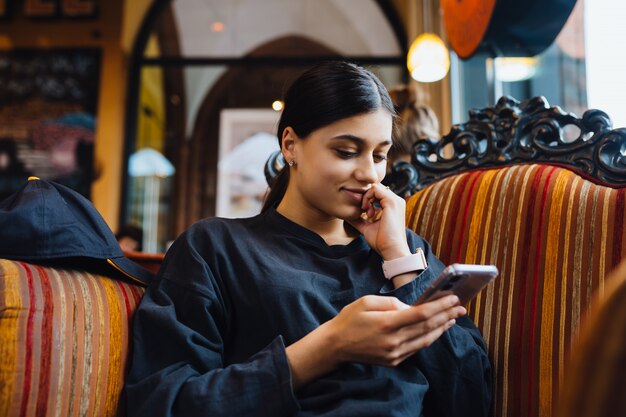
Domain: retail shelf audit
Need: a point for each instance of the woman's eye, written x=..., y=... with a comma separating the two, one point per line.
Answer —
x=380, y=158
x=346, y=154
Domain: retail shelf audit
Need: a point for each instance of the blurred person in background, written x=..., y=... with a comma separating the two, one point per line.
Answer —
x=415, y=121
x=130, y=238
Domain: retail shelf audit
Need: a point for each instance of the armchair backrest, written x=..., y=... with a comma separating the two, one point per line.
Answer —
x=64, y=339
x=554, y=228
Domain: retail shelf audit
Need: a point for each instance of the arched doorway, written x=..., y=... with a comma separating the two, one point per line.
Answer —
x=201, y=57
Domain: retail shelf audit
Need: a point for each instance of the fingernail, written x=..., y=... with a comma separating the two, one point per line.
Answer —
x=451, y=323
x=455, y=299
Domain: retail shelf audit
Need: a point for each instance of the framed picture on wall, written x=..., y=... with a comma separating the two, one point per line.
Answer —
x=247, y=139
x=48, y=107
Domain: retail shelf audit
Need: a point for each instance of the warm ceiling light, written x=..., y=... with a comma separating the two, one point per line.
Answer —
x=512, y=69
x=277, y=105
x=428, y=59
x=217, y=26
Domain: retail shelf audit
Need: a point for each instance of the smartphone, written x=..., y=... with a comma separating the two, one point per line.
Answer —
x=463, y=280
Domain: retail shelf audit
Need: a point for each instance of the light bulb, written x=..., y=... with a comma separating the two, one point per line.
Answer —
x=277, y=105
x=217, y=26
x=510, y=69
x=428, y=59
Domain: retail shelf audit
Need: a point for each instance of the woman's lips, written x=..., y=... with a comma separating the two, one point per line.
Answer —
x=355, y=195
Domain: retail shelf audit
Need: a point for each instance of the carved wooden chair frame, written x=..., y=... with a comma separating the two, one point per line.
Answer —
x=512, y=132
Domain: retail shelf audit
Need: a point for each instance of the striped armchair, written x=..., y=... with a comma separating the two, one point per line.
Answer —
x=548, y=210
x=64, y=339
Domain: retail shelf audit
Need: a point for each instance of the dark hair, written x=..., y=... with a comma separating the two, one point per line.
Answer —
x=323, y=95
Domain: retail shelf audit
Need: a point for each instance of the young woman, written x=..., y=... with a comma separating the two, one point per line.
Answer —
x=289, y=313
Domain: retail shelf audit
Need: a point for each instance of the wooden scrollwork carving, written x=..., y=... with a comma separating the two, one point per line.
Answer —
x=512, y=132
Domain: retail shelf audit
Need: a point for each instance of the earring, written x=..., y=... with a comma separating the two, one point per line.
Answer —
x=291, y=163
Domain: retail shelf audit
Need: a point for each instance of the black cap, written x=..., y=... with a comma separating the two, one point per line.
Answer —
x=46, y=221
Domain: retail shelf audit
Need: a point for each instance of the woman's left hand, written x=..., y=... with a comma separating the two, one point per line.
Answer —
x=384, y=227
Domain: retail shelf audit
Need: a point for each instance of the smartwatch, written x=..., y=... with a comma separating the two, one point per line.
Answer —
x=399, y=266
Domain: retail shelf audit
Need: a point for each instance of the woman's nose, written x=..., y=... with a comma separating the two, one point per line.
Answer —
x=366, y=171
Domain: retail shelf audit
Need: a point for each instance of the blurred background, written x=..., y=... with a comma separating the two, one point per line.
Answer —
x=163, y=112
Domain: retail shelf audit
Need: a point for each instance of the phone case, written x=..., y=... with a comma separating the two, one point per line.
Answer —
x=463, y=280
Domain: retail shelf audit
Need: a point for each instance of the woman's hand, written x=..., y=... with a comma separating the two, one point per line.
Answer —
x=384, y=331
x=373, y=329
x=383, y=227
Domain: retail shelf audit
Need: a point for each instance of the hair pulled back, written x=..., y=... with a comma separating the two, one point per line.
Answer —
x=323, y=95
x=415, y=120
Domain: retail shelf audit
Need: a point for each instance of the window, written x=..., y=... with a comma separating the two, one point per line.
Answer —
x=559, y=74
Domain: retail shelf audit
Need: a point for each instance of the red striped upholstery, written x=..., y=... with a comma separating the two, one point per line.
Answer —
x=554, y=236
x=63, y=341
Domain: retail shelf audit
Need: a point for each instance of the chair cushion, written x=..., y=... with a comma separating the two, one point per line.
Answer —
x=63, y=340
x=554, y=236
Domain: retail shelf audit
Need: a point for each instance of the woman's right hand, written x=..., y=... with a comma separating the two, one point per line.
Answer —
x=384, y=331
x=375, y=330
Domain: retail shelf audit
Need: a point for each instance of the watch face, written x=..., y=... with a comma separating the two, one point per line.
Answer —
x=466, y=22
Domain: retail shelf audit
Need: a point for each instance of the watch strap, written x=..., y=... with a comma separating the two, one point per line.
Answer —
x=399, y=266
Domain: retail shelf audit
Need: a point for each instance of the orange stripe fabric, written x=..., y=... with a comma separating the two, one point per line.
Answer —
x=546, y=339
x=11, y=322
x=73, y=329
x=62, y=316
x=553, y=236
x=114, y=377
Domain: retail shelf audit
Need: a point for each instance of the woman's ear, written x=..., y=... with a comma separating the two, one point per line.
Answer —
x=288, y=144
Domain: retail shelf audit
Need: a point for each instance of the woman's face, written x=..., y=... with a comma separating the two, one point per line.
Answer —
x=337, y=163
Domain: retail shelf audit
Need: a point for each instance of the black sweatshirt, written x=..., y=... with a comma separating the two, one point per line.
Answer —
x=210, y=333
